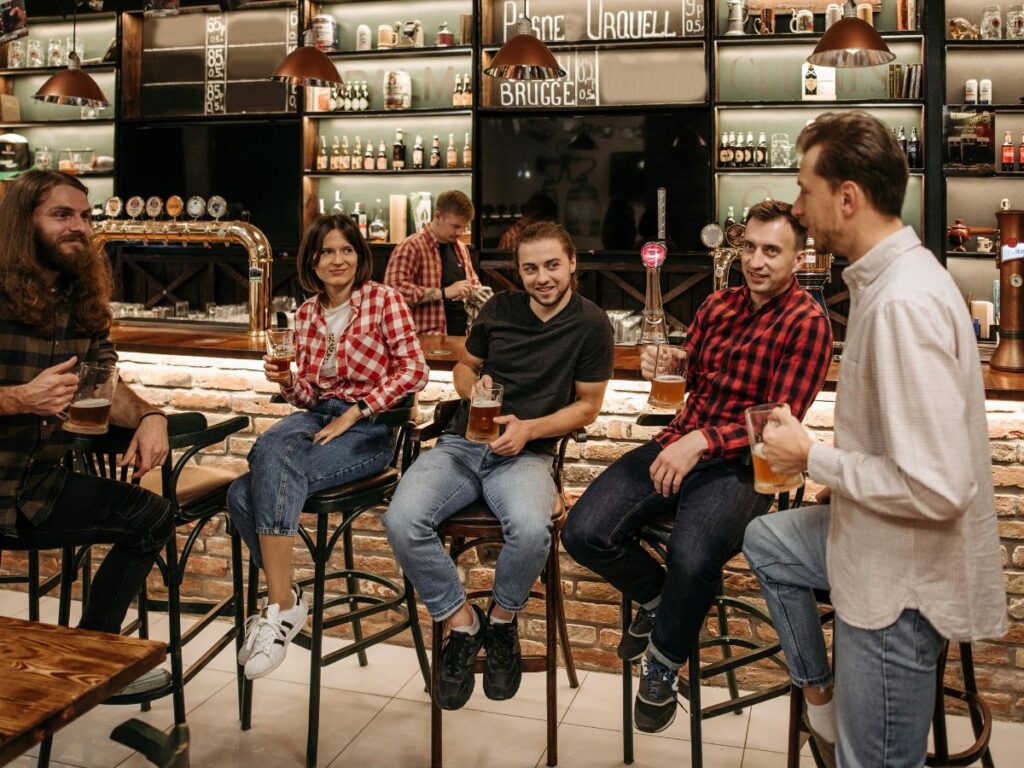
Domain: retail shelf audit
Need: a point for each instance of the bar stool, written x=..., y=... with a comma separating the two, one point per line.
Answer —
x=474, y=526
x=350, y=501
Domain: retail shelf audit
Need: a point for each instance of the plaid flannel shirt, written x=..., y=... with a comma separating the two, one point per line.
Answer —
x=414, y=267
x=379, y=356
x=741, y=357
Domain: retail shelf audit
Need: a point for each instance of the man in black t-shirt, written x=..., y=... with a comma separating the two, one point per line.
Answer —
x=552, y=351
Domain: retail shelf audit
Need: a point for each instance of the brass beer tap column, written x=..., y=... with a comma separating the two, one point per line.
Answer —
x=1009, y=354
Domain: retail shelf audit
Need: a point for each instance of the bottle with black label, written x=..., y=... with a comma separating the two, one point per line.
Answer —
x=732, y=150
x=398, y=151
x=724, y=153
x=368, y=159
x=359, y=217
x=382, y=157
x=417, y=153
x=1008, y=153
x=901, y=139
x=746, y=213
x=1020, y=153
x=748, y=150
x=810, y=81
x=435, y=153
x=914, y=149
x=740, y=152
x=761, y=153
x=730, y=217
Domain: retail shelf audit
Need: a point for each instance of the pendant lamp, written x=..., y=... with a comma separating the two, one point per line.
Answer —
x=307, y=64
x=851, y=42
x=524, y=57
x=72, y=86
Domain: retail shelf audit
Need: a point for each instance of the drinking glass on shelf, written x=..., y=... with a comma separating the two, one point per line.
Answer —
x=1015, y=22
x=55, y=52
x=15, y=54
x=34, y=53
x=779, y=156
x=991, y=23
x=765, y=480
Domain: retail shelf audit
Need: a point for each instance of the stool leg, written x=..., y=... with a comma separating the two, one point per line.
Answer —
x=316, y=641
x=86, y=574
x=796, y=708
x=174, y=627
x=44, y=752
x=435, y=711
x=939, y=711
x=723, y=630
x=253, y=593
x=696, y=746
x=352, y=585
x=143, y=610
x=33, y=585
x=417, y=633
x=553, y=587
x=67, y=580
x=627, y=689
x=238, y=603
x=971, y=686
x=563, y=630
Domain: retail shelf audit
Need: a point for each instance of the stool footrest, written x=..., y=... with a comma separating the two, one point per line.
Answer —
x=753, y=653
x=974, y=752
x=362, y=645
x=742, y=702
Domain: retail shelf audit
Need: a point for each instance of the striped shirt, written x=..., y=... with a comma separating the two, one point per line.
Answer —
x=741, y=356
x=378, y=357
x=32, y=447
x=415, y=266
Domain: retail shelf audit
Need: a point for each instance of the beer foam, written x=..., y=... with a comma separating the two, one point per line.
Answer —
x=669, y=378
x=91, y=402
x=486, y=404
x=758, y=450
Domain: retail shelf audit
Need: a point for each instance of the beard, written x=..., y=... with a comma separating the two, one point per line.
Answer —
x=68, y=254
x=551, y=300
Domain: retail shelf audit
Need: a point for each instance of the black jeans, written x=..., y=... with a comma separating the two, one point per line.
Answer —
x=716, y=501
x=94, y=510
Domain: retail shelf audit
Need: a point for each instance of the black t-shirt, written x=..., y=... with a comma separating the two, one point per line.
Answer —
x=538, y=363
x=452, y=271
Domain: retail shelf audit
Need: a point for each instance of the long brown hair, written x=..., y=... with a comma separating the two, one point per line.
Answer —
x=25, y=293
x=313, y=242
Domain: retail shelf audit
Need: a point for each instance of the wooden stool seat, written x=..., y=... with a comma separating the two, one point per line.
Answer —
x=349, y=495
x=478, y=515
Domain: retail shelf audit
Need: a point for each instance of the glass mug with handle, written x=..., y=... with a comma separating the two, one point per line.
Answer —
x=484, y=405
x=281, y=348
x=89, y=411
x=765, y=479
x=668, y=387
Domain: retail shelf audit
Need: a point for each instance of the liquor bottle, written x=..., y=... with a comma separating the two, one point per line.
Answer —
x=724, y=153
x=335, y=161
x=337, y=207
x=435, y=153
x=451, y=159
x=378, y=230
x=364, y=97
x=346, y=103
x=748, y=151
x=322, y=162
x=333, y=99
x=901, y=139
x=417, y=152
x=1020, y=153
x=810, y=81
x=382, y=157
x=810, y=256
x=357, y=156
x=746, y=213
x=457, y=92
x=467, y=90
x=368, y=161
x=467, y=153
x=1008, y=153
x=914, y=149
x=344, y=159
x=761, y=153
x=738, y=151
x=359, y=217
x=398, y=151
x=730, y=217
x=320, y=207
x=732, y=149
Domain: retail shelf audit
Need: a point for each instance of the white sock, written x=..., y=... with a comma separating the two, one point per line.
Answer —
x=822, y=718
x=469, y=629
x=496, y=620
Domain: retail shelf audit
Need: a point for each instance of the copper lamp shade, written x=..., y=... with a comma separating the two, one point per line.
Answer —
x=307, y=65
x=73, y=87
x=524, y=57
x=851, y=42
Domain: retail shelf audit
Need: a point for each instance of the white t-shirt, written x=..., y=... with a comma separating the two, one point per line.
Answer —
x=336, y=319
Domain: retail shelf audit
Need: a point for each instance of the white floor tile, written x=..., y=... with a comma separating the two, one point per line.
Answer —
x=26, y=761
x=756, y=758
x=13, y=604
x=399, y=737
x=769, y=726
x=581, y=747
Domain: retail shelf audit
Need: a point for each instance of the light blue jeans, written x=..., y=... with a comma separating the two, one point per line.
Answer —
x=884, y=678
x=454, y=473
x=285, y=467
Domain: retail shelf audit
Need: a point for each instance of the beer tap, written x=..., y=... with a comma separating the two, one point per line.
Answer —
x=653, y=256
x=713, y=237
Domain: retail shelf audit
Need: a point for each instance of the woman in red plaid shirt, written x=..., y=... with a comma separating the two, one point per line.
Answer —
x=356, y=354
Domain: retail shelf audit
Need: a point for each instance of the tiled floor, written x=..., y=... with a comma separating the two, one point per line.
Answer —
x=378, y=717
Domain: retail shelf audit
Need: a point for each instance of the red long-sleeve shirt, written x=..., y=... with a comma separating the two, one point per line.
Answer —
x=741, y=357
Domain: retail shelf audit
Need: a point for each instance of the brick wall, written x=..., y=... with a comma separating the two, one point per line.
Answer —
x=223, y=389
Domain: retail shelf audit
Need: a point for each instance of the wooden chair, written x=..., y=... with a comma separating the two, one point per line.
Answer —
x=349, y=501
x=476, y=526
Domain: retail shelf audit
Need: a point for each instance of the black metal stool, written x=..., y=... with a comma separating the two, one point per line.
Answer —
x=475, y=526
x=350, y=501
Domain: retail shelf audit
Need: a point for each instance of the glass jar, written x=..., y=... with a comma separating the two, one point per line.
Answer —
x=15, y=54
x=34, y=55
x=445, y=37
x=991, y=23
x=1015, y=22
x=44, y=159
x=55, y=52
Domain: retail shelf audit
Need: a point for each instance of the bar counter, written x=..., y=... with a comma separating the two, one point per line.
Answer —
x=210, y=341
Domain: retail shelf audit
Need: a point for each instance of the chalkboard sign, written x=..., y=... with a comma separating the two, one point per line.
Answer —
x=216, y=63
x=598, y=20
x=610, y=77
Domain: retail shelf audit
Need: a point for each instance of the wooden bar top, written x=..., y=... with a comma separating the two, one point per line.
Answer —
x=441, y=353
x=51, y=675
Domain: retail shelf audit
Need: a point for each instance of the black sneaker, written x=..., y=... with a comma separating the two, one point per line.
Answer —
x=655, y=706
x=455, y=683
x=634, y=642
x=503, y=667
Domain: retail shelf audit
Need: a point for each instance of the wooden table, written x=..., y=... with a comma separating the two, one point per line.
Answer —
x=51, y=675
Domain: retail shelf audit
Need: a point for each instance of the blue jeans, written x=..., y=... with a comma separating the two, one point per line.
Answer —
x=285, y=467
x=454, y=473
x=714, y=504
x=885, y=678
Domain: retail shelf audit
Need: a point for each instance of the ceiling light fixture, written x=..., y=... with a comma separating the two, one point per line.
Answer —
x=524, y=57
x=72, y=86
x=851, y=42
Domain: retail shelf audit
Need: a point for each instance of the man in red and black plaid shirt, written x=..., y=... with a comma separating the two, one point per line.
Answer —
x=432, y=269
x=765, y=342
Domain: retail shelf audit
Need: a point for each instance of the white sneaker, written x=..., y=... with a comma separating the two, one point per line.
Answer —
x=250, y=625
x=269, y=637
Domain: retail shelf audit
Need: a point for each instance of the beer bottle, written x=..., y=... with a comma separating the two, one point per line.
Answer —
x=322, y=163
x=398, y=151
x=457, y=92
x=901, y=139
x=368, y=161
x=451, y=159
x=467, y=154
x=335, y=162
x=417, y=152
x=435, y=153
x=1020, y=153
x=1008, y=152
x=730, y=217
x=748, y=151
x=382, y=157
x=724, y=153
x=357, y=155
x=914, y=149
x=761, y=153
x=732, y=149
x=346, y=158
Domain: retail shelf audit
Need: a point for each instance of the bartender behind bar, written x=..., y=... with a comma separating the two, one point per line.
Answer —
x=432, y=269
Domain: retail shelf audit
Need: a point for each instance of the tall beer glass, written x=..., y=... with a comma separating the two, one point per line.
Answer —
x=281, y=348
x=484, y=405
x=765, y=480
x=89, y=412
x=668, y=388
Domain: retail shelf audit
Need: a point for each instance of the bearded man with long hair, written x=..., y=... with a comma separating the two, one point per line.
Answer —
x=55, y=291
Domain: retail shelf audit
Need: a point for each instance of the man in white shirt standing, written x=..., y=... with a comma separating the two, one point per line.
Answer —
x=908, y=545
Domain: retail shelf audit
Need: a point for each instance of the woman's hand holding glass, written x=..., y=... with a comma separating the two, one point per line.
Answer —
x=274, y=374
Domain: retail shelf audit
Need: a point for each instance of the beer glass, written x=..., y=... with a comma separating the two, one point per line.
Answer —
x=89, y=412
x=779, y=153
x=484, y=405
x=865, y=12
x=991, y=23
x=668, y=388
x=765, y=480
x=1014, y=23
x=281, y=348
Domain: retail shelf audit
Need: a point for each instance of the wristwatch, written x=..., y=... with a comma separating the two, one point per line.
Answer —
x=364, y=409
